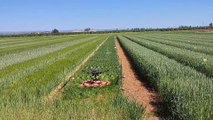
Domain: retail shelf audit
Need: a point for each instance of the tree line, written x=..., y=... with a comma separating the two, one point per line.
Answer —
x=88, y=31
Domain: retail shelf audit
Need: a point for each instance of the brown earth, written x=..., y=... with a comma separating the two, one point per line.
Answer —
x=203, y=30
x=134, y=88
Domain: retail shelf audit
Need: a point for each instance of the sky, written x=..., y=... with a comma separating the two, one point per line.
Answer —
x=45, y=15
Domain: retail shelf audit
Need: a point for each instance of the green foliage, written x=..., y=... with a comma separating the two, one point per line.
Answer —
x=25, y=85
x=185, y=45
x=199, y=61
x=210, y=25
x=131, y=108
x=16, y=45
x=105, y=59
x=87, y=29
x=185, y=92
x=55, y=31
x=29, y=80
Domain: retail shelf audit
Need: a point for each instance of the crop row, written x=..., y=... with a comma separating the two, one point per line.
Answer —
x=23, y=98
x=200, y=62
x=10, y=59
x=199, y=42
x=187, y=38
x=28, y=41
x=43, y=78
x=18, y=71
x=104, y=59
x=191, y=37
x=17, y=39
x=40, y=41
x=33, y=45
x=109, y=102
x=196, y=48
x=186, y=93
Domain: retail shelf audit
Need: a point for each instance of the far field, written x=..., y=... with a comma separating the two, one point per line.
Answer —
x=177, y=66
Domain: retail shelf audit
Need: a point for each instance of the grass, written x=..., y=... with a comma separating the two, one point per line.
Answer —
x=31, y=67
x=42, y=81
x=117, y=106
x=184, y=45
x=25, y=85
x=36, y=42
x=185, y=92
x=199, y=61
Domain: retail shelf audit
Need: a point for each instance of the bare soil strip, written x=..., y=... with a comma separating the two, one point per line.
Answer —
x=59, y=89
x=134, y=88
x=203, y=31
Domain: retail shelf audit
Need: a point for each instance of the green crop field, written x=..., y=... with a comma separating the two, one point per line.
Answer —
x=31, y=67
x=177, y=65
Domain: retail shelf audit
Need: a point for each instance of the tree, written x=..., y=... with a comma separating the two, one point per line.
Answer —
x=55, y=31
x=87, y=29
x=210, y=25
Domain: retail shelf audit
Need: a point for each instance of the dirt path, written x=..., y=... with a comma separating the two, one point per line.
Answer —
x=134, y=88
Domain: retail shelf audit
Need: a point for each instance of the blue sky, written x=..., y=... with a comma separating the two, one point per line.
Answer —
x=33, y=15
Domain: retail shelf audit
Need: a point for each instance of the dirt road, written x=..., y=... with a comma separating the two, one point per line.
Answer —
x=134, y=88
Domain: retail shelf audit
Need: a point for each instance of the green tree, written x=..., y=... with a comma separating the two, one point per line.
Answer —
x=210, y=25
x=87, y=29
x=55, y=31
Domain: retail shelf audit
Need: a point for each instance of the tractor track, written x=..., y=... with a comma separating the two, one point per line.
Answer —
x=134, y=88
